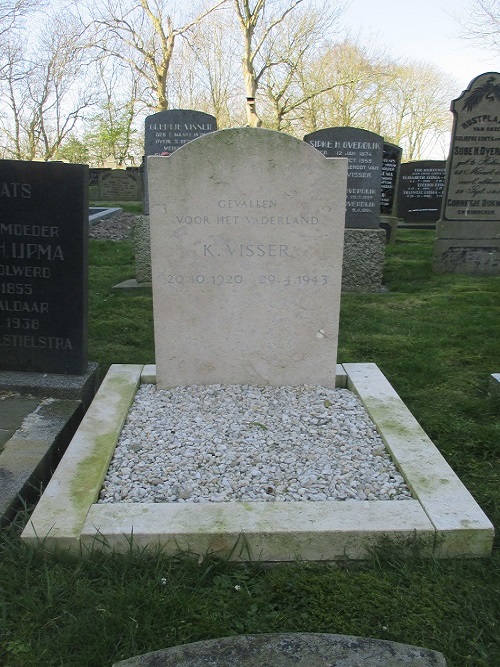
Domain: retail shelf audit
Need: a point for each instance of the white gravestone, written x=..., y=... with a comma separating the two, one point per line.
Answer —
x=246, y=245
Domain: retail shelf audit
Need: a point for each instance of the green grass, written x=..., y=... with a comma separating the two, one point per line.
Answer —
x=437, y=340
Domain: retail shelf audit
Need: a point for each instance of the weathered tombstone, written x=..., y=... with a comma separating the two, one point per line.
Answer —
x=94, y=173
x=468, y=233
x=390, y=167
x=94, y=181
x=364, y=151
x=364, y=243
x=119, y=185
x=43, y=274
x=246, y=245
x=420, y=190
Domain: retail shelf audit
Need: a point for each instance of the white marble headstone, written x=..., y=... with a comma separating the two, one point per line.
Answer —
x=247, y=230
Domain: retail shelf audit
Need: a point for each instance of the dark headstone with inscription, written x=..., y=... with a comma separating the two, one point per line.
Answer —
x=43, y=268
x=391, y=161
x=468, y=234
x=420, y=190
x=473, y=175
x=167, y=131
x=120, y=185
x=364, y=151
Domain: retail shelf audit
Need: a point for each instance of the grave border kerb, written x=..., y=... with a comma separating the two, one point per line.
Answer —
x=443, y=515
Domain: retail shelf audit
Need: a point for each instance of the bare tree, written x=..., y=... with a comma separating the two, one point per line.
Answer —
x=111, y=131
x=143, y=33
x=289, y=55
x=256, y=27
x=416, y=113
x=359, y=75
x=44, y=93
x=481, y=23
x=215, y=47
x=12, y=15
x=13, y=10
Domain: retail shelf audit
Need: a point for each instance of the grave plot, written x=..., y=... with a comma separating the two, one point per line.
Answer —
x=247, y=239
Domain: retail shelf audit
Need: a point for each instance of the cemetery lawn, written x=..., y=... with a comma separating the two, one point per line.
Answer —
x=437, y=339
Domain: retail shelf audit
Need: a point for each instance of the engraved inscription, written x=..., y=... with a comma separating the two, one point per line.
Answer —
x=364, y=152
x=246, y=250
x=42, y=289
x=246, y=255
x=473, y=181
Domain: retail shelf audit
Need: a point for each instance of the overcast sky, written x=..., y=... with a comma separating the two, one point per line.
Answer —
x=422, y=30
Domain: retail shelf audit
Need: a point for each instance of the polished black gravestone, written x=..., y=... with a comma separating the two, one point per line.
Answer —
x=364, y=150
x=420, y=190
x=390, y=167
x=43, y=268
x=166, y=131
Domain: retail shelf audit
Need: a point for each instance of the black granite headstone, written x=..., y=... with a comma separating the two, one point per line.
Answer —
x=364, y=151
x=420, y=190
x=43, y=267
x=390, y=167
x=167, y=131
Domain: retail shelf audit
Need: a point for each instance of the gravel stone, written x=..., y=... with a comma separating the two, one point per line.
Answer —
x=221, y=443
x=115, y=228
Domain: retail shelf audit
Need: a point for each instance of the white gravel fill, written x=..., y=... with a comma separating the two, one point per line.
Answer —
x=223, y=443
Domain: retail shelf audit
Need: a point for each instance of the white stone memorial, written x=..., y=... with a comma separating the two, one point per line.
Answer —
x=246, y=260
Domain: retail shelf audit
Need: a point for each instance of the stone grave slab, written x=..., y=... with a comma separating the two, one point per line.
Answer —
x=42, y=431
x=246, y=246
x=282, y=650
x=468, y=233
x=94, y=181
x=43, y=272
x=364, y=239
x=443, y=515
x=13, y=409
x=119, y=185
